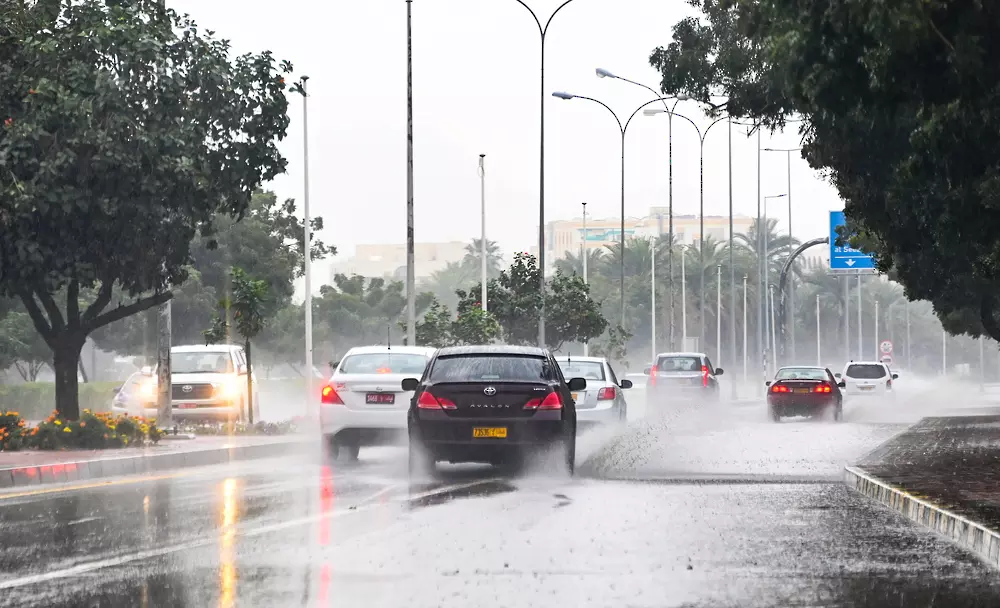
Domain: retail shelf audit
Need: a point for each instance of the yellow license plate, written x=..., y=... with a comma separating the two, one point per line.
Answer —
x=576, y=396
x=489, y=433
x=801, y=390
x=866, y=388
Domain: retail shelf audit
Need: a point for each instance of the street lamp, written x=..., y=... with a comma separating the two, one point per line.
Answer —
x=300, y=88
x=623, y=129
x=701, y=208
x=791, y=285
x=765, y=261
x=482, y=245
x=602, y=73
x=542, y=30
x=586, y=254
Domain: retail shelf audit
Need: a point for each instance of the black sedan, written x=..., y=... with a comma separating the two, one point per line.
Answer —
x=493, y=404
x=804, y=391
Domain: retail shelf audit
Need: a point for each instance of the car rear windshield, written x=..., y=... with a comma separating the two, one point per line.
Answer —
x=491, y=368
x=591, y=370
x=679, y=364
x=865, y=372
x=801, y=373
x=206, y=362
x=383, y=363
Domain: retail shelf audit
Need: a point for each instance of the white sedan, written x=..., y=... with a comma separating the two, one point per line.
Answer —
x=603, y=401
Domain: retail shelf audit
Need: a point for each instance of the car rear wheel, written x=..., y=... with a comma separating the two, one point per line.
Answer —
x=773, y=414
x=420, y=462
x=838, y=413
x=569, y=453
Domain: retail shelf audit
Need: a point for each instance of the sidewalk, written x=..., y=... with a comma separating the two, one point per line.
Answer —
x=33, y=467
x=943, y=473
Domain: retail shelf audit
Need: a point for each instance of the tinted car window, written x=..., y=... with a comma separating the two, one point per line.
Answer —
x=865, y=372
x=491, y=368
x=384, y=363
x=591, y=370
x=679, y=364
x=801, y=373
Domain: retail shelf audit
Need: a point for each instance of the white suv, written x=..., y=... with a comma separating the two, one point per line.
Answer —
x=364, y=402
x=867, y=378
x=207, y=383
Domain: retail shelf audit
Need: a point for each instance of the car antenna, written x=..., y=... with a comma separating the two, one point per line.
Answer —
x=388, y=337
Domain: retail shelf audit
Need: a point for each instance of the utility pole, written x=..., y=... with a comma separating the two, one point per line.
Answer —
x=411, y=284
x=310, y=397
x=586, y=254
x=482, y=244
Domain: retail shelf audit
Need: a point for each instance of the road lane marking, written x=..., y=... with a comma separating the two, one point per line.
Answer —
x=366, y=504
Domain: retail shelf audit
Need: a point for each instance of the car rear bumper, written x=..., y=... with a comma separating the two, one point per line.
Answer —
x=670, y=394
x=604, y=413
x=785, y=406
x=339, y=418
x=452, y=439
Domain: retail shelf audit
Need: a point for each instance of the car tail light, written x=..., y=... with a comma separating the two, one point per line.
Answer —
x=606, y=394
x=888, y=383
x=552, y=401
x=652, y=375
x=822, y=388
x=384, y=370
x=329, y=396
x=427, y=401
x=779, y=388
x=704, y=375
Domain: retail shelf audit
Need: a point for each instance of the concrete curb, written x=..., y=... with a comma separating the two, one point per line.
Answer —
x=140, y=464
x=966, y=533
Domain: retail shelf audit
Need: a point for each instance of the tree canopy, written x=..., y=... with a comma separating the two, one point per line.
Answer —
x=125, y=132
x=898, y=103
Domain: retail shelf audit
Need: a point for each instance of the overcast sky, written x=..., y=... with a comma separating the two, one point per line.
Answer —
x=476, y=90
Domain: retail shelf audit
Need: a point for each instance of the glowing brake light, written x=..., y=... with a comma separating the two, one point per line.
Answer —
x=552, y=401
x=704, y=375
x=427, y=401
x=606, y=394
x=779, y=388
x=652, y=375
x=383, y=370
x=329, y=396
x=822, y=388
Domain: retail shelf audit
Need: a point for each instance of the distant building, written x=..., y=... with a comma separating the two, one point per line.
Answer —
x=389, y=260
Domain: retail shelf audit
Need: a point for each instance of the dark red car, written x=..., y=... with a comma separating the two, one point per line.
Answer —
x=804, y=391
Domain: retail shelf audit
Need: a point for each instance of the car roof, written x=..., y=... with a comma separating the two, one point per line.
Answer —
x=801, y=367
x=381, y=348
x=203, y=348
x=879, y=363
x=680, y=354
x=571, y=358
x=493, y=349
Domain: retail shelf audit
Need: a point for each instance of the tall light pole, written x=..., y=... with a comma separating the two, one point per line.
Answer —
x=789, y=319
x=769, y=320
x=718, y=312
x=701, y=211
x=732, y=265
x=909, y=360
x=876, y=337
x=684, y=308
x=411, y=284
x=542, y=31
x=300, y=88
x=819, y=350
x=602, y=73
x=861, y=340
x=745, y=329
x=482, y=243
x=586, y=254
x=652, y=296
x=623, y=128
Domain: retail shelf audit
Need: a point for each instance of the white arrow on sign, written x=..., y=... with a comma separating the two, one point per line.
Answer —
x=849, y=262
x=885, y=347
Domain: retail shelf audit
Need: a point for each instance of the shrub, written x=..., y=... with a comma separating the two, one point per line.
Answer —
x=92, y=431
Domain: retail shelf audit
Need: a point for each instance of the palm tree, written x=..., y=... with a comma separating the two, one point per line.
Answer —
x=778, y=246
x=474, y=255
x=573, y=263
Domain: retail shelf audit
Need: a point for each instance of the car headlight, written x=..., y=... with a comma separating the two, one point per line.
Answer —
x=228, y=389
x=147, y=390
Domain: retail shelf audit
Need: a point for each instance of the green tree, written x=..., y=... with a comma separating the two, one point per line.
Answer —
x=126, y=130
x=473, y=325
x=898, y=102
x=22, y=346
x=613, y=344
x=434, y=329
x=249, y=307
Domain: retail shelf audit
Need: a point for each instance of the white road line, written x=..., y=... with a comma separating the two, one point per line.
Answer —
x=363, y=505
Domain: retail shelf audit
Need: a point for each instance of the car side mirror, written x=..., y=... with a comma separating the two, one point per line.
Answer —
x=841, y=384
x=410, y=384
x=577, y=384
x=647, y=370
x=837, y=376
x=719, y=371
x=626, y=384
x=116, y=390
x=768, y=383
x=895, y=376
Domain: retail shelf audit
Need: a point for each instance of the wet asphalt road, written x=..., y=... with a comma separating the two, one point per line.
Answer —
x=700, y=507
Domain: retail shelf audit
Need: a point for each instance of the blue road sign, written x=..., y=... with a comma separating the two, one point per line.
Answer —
x=845, y=258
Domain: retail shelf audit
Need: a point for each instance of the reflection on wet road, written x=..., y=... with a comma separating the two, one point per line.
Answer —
x=698, y=507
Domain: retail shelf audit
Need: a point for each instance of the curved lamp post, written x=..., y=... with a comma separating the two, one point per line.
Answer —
x=602, y=73
x=701, y=211
x=622, y=128
x=542, y=31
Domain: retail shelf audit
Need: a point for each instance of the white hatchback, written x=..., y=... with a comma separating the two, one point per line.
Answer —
x=867, y=378
x=364, y=402
x=603, y=401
